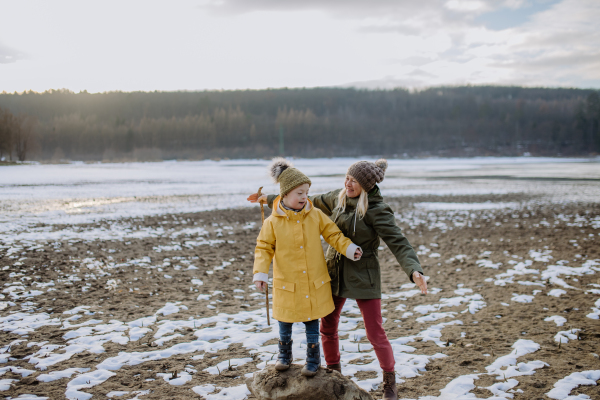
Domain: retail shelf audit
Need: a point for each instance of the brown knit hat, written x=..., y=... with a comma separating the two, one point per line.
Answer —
x=283, y=172
x=368, y=174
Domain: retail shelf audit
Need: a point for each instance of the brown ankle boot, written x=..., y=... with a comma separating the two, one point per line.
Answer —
x=390, y=391
x=335, y=367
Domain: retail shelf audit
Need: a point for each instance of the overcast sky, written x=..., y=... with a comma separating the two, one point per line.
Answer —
x=239, y=44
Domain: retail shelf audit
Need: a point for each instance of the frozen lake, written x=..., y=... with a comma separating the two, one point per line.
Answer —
x=77, y=193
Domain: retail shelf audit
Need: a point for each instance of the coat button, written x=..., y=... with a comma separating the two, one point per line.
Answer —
x=301, y=247
x=321, y=282
x=284, y=287
x=298, y=221
x=309, y=319
x=307, y=297
x=303, y=272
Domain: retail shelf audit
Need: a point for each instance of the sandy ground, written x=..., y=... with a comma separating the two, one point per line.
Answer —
x=125, y=280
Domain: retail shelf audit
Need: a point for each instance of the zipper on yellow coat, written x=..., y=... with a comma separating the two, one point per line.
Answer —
x=292, y=240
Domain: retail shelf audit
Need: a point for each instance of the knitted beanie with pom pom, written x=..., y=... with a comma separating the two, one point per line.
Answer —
x=283, y=172
x=368, y=174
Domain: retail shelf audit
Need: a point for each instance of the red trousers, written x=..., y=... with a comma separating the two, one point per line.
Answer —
x=371, y=313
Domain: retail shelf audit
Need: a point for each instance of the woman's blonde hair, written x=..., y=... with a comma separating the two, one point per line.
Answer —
x=361, y=207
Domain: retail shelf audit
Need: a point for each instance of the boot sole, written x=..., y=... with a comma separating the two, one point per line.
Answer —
x=308, y=373
x=281, y=367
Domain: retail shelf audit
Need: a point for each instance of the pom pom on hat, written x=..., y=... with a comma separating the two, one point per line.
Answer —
x=382, y=163
x=279, y=165
x=283, y=172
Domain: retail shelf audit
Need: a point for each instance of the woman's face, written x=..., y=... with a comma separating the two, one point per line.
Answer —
x=353, y=188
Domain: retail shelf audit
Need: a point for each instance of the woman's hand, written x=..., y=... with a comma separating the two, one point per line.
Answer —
x=358, y=254
x=420, y=281
x=253, y=198
x=260, y=285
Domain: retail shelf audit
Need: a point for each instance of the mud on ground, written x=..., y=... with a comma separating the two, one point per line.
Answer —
x=129, y=269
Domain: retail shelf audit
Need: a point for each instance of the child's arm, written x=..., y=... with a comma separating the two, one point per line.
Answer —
x=332, y=235
x=263, y=254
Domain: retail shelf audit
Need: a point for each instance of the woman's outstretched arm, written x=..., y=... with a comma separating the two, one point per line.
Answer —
x=384, y=223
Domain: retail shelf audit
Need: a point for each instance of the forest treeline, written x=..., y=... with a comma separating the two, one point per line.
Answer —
x=320, y=122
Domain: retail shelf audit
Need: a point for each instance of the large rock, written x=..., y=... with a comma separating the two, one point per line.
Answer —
x=270, y=384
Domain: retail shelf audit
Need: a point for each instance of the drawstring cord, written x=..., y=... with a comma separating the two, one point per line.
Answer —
x=337, y=255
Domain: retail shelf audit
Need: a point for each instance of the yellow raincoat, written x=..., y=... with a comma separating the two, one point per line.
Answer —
x=301, y=288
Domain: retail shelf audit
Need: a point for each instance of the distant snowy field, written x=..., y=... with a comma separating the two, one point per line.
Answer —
x=80, y=193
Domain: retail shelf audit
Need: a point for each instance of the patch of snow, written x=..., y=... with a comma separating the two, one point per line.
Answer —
x=563, y=387
x=565, y=336
x=557, y=319
x=522, y=298
x=556, y=292
x=55, y=375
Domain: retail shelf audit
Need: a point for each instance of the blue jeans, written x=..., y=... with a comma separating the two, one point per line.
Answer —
x=312, y=331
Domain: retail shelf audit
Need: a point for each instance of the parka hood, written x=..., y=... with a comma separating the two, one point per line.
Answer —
x=375, y=195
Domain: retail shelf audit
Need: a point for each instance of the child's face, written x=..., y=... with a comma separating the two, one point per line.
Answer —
x=298, y=197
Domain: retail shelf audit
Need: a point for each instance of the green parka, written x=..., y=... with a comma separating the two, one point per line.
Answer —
x=362, y=279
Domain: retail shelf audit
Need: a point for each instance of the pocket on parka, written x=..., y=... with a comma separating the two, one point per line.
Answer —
x=359, y=275
x=284, y=295
x=323, y=289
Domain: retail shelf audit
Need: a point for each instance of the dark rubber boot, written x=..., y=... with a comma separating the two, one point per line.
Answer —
x=284, y=359
x=335, y=367
x=313, y=359
x=390, y=391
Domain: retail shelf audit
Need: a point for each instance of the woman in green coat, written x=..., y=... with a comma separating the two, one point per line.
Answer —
x=361, y=214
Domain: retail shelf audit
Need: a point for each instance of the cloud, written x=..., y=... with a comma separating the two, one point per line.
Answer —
x=558, y=46
x=341, y=8
x=9, y=55
x=306, y=43
x=416, y=61
x=420, y=72
x=388, y=82
x=384, y=15
x=435, y=42
x=561, y=44
x=467, y=5
x=404, y=29
x=513, y=13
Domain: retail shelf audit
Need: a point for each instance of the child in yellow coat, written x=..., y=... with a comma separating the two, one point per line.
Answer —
x=301, y=288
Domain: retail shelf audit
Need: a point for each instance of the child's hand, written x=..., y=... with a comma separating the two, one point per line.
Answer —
x=253, y=198
x=420, y=281
x=260, y=285
x=358, y=254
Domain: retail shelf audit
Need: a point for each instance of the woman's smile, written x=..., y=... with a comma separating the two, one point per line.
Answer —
x=353, y=188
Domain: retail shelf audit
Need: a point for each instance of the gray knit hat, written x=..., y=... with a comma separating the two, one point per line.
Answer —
x=368, y=174
x=283, y=172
